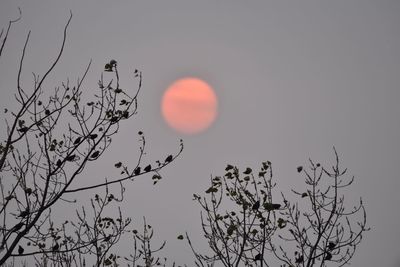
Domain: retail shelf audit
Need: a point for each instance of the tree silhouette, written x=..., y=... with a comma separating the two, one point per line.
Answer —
x=51, y=138
x=322, y=229
x=238, y=217
x=245, y=225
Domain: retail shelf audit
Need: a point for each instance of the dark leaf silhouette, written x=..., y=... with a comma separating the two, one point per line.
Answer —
x=108, y=67
x=299, y=169
x=300, y=259
x=114, y=119
x=28, y=191
x=23, y=129
x=328, y=256
x=77, y=141
x=231, y=229
x=156, y=177
x=258, y=257
x=59, y=163
x=24, y=213
x=118, y=164
x=256, y=205
x=20, y=250
x=137, y=170
x=271, y=206
x=281, y=223
x=247, y=171
x=125, y=114
x=95, y=154
x=56, y=247
x=228, y=167
x=147, y=168
x=168, y=159
x=211, y=190
x=70, y=157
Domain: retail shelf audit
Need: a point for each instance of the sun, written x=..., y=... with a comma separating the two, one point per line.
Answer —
x=189, y=105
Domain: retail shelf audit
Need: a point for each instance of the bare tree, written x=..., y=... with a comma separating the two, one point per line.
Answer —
x=51, y=138
x=245, y=226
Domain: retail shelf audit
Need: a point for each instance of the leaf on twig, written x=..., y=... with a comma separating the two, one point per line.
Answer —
x=56, y=247
x=118, y=164
x=248, y=170
x=211, y=190
x=147, y=168
x=271, y=206
x=256, y=205
x=228, y=167
x=299, y=259
x=59, y=163
x=20, y=250
x=95, y=154
x=328, y=256
x=108, y=67
x=168, y=159
x=299, y=169
x=137, y=171
x=281, y=223
x=77, y=141
x=70, y=157
x=23, y=129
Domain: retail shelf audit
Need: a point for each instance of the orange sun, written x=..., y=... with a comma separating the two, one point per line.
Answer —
x=189, y=105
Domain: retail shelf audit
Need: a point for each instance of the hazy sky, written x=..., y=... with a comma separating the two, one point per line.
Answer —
x=293, y=79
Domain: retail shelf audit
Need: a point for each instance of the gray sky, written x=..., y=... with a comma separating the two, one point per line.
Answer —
x=293, y=78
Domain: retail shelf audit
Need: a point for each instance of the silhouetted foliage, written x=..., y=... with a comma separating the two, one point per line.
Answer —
x=238, y=233
x=245, y=225
x=51, y=138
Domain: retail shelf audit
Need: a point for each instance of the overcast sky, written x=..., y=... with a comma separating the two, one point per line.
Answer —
x=293, y=79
